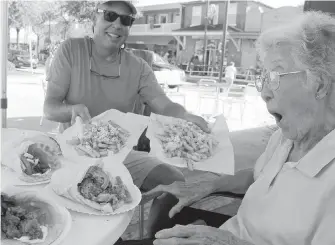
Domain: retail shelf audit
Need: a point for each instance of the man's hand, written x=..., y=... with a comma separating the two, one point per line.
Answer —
x=197, y=235
x=81, y=111
x=185, y=192
x=198, y=121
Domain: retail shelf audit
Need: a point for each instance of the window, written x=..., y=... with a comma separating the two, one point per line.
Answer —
x=196, y=15
x=213, y=14
x=163, y=18
x=175, y=18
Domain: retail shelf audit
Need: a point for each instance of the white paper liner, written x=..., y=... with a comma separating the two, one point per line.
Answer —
x=64, y=217
x=67, y=177
x=222, y=161
x=9, y=176
x=133, y=123
x=16, y=142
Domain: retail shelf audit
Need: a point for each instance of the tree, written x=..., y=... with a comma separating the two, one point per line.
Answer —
x=38, y=14
x=81, y=11
x=15, y=19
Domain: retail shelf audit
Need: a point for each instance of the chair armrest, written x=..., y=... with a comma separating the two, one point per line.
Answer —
x=227, y=194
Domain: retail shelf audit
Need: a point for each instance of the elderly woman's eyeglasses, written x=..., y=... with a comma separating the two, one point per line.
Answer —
x=272, y=79
x=112, y=16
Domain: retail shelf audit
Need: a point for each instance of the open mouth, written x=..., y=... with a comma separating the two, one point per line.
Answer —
x=277, y=116
x=113, y=35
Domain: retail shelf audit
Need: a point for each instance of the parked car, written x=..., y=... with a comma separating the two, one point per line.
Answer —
x=166, y=73
x=21, y=58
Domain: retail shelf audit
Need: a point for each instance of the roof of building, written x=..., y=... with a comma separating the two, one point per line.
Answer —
x=158, y=7
x=216, y=1
x=217, y=27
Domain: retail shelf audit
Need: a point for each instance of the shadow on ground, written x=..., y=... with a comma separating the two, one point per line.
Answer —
x=32, y=123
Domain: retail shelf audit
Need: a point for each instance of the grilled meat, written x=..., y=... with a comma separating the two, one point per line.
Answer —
x=97, y=187
x=16, y=221
x=89, y=187
x=35, y=160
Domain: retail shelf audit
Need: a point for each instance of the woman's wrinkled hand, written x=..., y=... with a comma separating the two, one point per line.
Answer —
x=197, y=235
x=186, y=193
x=81, y=111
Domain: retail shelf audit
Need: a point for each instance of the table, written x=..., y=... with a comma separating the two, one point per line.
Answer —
x=86, y=229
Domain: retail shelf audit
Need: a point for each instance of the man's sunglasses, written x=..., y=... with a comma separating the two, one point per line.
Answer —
x=111, y=16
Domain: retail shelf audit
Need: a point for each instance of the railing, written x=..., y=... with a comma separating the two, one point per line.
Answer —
x=243, y=76
x=155, y=28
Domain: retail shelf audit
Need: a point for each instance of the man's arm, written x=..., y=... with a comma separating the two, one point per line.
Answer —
x=154, y=96
x=164, y=106
x=54, y=108
x=59, y=77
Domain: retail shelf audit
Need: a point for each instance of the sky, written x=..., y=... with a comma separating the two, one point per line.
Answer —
x=272, y=3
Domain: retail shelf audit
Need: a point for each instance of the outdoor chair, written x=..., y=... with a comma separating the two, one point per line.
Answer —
x=235, y=95
x=176, y=96
x=207, y=90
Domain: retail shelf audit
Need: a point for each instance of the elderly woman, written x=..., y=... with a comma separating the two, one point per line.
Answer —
x=291, y=199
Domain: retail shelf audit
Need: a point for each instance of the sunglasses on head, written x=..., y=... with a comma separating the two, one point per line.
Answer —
x=111, y=16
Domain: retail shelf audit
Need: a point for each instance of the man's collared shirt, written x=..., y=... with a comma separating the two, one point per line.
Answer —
x=290, y=202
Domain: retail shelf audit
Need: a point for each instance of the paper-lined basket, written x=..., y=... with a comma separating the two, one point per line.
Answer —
x=222, y=160
x=66, y=179
x=130, y=122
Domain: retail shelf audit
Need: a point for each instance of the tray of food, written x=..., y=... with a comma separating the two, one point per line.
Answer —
x=99, y=139
x=27, y=217
x=33, y=158
x=112, y=135
x=183, y=144
x=96, y=189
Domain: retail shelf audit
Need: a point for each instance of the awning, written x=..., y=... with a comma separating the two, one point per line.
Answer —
x=159, y=40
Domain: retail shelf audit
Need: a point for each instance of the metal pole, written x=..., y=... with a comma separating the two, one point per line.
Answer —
x=3, y=62
x=224, y=33
x=205, y=35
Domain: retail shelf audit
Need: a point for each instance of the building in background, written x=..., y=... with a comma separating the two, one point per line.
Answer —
x=153, y=30
x=279, y=16
x=244, y=27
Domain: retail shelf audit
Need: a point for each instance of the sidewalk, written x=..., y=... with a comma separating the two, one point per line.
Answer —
x=32, y=123
x=39, y=70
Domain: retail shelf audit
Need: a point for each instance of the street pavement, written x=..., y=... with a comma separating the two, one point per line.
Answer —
x=25, y=102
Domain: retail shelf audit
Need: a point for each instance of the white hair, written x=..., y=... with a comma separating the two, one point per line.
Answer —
x=311, y=39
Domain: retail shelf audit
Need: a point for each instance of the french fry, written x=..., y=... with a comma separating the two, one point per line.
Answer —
x=102, y=145
x=103, y=153
x=80, y=152
x=187, y=146
x=89, y=152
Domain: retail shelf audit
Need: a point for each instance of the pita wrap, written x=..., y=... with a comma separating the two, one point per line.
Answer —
x=93, y=186
x=34, y=159
x=52, y=219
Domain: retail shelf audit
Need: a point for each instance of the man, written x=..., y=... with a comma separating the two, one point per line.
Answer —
x=90, y=76
x=230, y=73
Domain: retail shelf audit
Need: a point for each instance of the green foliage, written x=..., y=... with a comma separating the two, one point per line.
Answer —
x=79, y=10
x=15, y=15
